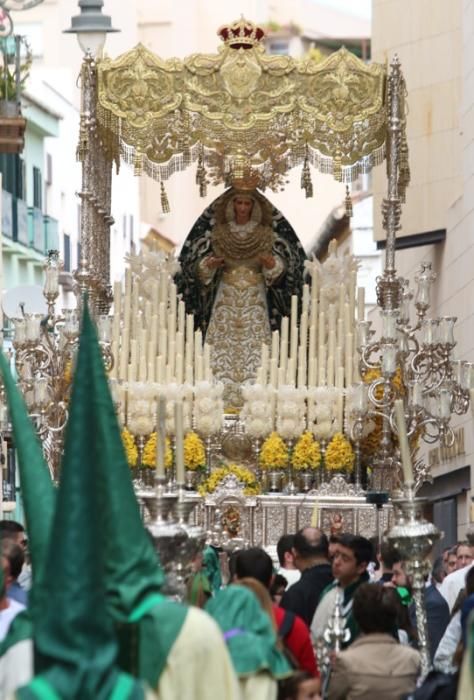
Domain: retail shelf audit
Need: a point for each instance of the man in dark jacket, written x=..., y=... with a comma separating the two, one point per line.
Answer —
x=311, y=558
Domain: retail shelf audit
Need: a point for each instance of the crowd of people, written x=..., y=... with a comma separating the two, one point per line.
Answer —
x=272, y=614
x=83, y=615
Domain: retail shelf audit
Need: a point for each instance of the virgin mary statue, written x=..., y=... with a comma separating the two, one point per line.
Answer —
x=240, y=265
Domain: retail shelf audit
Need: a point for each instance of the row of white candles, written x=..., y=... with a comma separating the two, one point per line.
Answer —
x=161, y=440
x=154, y=340
x=319, y=348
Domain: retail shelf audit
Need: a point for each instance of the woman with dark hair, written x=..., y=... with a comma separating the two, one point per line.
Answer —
x=375, y=665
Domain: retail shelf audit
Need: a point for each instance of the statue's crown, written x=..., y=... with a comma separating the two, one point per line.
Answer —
x=248, y=181
x=241, y=34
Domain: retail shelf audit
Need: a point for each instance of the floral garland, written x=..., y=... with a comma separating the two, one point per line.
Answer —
x=306, y=453
x=149, y=453
x=274, y=453
x=339, y=454
x=131, y=450
x=194, y=452
x=244, y=475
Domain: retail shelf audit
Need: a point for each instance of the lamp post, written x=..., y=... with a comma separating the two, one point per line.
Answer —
x=93, y=273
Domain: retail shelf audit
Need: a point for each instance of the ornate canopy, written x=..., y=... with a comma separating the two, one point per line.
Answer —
x=242, y=110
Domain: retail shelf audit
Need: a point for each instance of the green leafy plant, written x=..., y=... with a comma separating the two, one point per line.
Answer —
x=10, y=90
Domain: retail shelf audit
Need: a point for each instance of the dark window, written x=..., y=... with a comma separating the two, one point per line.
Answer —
x=12, y=168
x=37, y=188
x=67, y=252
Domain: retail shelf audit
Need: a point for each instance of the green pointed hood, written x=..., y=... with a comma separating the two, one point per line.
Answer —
x=132, y=565
x=147, y=621
x=37, y=488
x=248, y=632
x=74, y=637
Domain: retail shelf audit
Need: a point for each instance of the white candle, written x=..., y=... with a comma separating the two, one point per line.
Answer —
x=180, y=343
x=342, y=300
x=322, y=328
x=281, y=376
x=305, y=305
x=360, y=303
x=348, y=358
x=405, y=454
x=189, y=373
x=330, y=370
x=301, y=367
x=284, y=342
x=275, y=345
x=181, y=317
x=161, y=437
x=179, y=435
x=173, y=300
x=163, y=288
x=264, y=362
x=179, y=368
x=273, y=372
x=160, y=368
x=312, y=342
x=312, y=371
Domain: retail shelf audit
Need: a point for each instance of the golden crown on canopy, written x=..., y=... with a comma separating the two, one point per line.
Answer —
x=248, y=182
x=241, y=34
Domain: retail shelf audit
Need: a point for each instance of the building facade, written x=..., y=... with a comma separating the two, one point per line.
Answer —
x=434, y=41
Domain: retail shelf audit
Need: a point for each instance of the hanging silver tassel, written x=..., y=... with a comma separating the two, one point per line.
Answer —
x=348, y=202
x=306, y=182
x=165, y=205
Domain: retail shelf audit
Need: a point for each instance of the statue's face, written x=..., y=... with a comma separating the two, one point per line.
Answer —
x=243, y=209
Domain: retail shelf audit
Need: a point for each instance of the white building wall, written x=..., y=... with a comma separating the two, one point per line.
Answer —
x=436, y=47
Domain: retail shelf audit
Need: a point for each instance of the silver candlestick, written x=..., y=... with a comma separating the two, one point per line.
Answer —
x=413, y=537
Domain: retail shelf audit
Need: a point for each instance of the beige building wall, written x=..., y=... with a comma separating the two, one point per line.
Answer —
x=435, y=42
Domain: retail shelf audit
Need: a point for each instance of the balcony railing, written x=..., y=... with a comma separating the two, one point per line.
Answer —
x=51, y=233
x=36, y=229
x=28, y=225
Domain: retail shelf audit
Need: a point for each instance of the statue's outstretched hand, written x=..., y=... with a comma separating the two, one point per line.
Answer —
x=267, y=261
x=213, y=263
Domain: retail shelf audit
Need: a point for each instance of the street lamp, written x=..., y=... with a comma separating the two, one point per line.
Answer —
x=91, y=27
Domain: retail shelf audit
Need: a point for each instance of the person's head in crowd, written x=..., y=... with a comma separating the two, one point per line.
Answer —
x=310, y=548
x=388, y=556
x=261, y=593
x=399, y=575
x=333, y=540
x=12, y=530
x=231, y=564
x=463, y=555
x=277, y=588
x=286, y=556
x=375, y=609
x=253, y=563
x=301, y=686
x=451, y=560
x=352, y=556
x=15, y=556
x=437, y=572
x=464, y=592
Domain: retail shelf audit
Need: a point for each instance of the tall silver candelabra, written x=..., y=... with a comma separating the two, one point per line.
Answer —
x=414, y=537
x=413, y=358
x=45, y=349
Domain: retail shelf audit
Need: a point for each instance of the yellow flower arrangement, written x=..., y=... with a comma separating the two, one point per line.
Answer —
x=130, y=447
x=194, y=452
x=306, y=453
x=244, y=475
x=339, y=454
x=149, y=453
x=370, y=443
x=274, y=454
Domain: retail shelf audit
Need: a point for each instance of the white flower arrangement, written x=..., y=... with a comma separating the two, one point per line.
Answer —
x=291, y=410
x=258, y=409
x=208, y=407
x=323, y=420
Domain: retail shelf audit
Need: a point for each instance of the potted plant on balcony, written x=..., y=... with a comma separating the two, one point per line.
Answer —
x=14, y=72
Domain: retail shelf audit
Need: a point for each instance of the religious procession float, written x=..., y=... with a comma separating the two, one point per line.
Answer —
x=253, y=394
